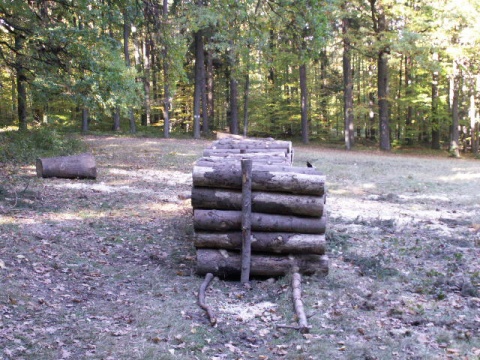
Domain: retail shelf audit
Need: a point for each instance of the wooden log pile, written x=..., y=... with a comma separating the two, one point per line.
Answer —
x=287, y=221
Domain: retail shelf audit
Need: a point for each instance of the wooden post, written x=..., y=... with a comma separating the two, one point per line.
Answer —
x=246, y=219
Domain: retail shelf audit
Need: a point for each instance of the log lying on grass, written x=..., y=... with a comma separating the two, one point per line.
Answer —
x=285, y=179
x=271, y=242
x=225, y=263
x=262, y=202
x=80, y=166
x=225, y=220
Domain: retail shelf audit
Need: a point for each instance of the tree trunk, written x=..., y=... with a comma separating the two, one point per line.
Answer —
x=265, y=242
x=126, y=43
x=166, y=75
x=262, y=202
x=408, y=95
x=71, y=167
x=286, y=179
x=225, y=220
x=116, y=119
x=233, y=93
x=227, y=264
x=21, y=77
x=455, y=89
x=146, y=116
x=347, y=87
x=304, y=103
x=380, y=28
x=84, y=120
x=210, y=88
x=197, y=96
x=246, y=95
x=435, y=99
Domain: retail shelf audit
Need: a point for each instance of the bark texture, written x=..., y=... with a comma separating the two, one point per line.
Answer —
x=227, y=264
x=266, y=242
x=80, y=166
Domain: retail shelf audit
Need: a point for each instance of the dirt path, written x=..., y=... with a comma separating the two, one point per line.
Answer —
x=104, y=269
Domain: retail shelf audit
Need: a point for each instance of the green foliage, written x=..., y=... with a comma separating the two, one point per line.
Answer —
x=25, y=147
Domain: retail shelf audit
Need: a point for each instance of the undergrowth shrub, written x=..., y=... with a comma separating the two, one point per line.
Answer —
x=25, y=147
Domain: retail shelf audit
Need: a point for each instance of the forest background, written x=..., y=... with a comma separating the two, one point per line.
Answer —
x=382, y=72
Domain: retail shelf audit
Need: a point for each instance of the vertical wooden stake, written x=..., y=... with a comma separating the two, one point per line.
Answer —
x=246, y=219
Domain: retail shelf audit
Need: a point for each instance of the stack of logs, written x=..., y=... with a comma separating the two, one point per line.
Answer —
x=288, y=217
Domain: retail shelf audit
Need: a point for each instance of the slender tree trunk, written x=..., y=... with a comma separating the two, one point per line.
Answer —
x=304, y=103
x=408, y=94
x=233, y=92
x=197, y=96
x=84, y=120
x=347, y=87
x=21, y=77
x=166, y=87
x=380, y=28
x=455, y=91
x=210, y=88
x=246, y=98
x=126, y=44
x=435, y=99
x=146, y=116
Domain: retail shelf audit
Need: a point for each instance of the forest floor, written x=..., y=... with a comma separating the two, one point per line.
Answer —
x=105, y=269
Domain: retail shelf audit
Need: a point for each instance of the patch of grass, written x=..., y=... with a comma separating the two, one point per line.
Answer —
x=373, y=266
x=24, y=147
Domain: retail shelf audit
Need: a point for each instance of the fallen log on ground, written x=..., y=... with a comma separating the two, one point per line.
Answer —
x=267, y=242
x=262, y=202
x=225, y=220
x=80, y=166
x=298, y=303
x=285, y=179
x=227, y=264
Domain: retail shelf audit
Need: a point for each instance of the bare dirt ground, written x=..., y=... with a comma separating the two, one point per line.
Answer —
x=105, y=269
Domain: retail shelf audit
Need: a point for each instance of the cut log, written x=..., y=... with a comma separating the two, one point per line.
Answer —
x=267, y=242
x=286, y=179
x=80, y=166
x=224, y=220
x=223, y=152
x=244, y=144
x=226, y=264
x=263, y=202
x=258, y=159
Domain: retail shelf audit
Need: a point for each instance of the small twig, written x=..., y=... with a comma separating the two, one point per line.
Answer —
x=283, y=326
x=201, y=299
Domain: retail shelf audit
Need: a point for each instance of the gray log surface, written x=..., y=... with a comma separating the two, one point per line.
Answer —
x=80, y=166
x=267, y=242
x=263, y=202
x=286, y=179
x=225, y=220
